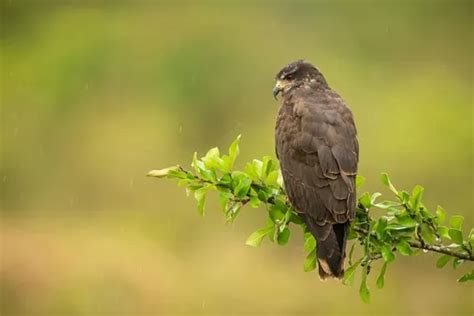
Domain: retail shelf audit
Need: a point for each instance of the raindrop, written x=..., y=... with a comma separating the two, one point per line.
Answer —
x=180, y=130
x=131, y=183
x=4, y=179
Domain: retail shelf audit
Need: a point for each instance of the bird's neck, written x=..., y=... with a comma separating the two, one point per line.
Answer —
x=317, y=83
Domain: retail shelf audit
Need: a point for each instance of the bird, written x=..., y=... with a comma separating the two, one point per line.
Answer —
x=317, y=147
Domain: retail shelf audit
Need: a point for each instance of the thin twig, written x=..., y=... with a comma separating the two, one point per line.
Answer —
x=440, y=249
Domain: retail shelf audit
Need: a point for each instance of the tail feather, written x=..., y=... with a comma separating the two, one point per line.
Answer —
x=331, y=247
x=331, y=252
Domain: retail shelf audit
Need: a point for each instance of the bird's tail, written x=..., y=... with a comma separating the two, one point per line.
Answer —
x=331, y=251
x=331, y=247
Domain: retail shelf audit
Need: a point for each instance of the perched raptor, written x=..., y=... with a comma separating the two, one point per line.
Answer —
x=316, y=143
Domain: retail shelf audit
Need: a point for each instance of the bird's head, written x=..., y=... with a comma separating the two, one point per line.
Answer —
x=295, y=74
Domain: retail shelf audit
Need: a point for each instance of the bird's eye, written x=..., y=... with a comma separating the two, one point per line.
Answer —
x=289, y=77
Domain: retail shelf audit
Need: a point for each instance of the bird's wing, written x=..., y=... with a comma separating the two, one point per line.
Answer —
x=318, y=152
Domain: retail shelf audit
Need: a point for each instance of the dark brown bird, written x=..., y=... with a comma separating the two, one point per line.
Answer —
x=316, y=143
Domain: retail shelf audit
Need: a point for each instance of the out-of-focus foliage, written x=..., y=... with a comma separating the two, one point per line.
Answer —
x=96, y=93
x=406, y=224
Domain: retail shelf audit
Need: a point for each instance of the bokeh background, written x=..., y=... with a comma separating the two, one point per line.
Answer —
x=94, y=94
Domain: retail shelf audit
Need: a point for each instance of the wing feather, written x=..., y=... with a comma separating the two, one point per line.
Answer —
x=317, y=146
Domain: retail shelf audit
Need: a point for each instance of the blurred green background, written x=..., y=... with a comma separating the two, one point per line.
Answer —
x=95, y=94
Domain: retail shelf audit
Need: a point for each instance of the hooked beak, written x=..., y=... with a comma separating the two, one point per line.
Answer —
x=277, y=89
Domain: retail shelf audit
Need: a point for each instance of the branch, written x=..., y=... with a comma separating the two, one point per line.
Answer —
x=403, y=223
x=416, y=244
x=442, y=249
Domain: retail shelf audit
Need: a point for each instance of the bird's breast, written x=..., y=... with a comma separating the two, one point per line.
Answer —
x=287, y=126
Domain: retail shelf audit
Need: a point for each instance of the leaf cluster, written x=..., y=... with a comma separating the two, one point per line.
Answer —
x=402, y=225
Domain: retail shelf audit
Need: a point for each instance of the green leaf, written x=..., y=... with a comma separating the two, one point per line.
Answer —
x=255, y=239
x=233, y=211
x=273, y=233
x=197, y=164
x=364, y=291
x=404, y=248
x=224, y=198
x=201, y=205
x=348, y=278
x=351, y=252
x=456, y=236
x=398, y=228
x=440, y=215
x=263, y=196
x=276, y=213
x=427, y=234
x=288, y=215
x=467, y=277
x=456, y=222
x=444, y=232
x=234, y=147
x=233, y=153
x=206, y=174
x=416, y=196
x=283, y=236
x=269, y=165
x=309, y=242
x=457, y=262
x=387, y=205
x=442, y=261
x=226, y=179
x=272, y=179
x=296, y=219
x=425, y=214
x=406, y=220
x=200, y=196
x=387, y=253
x=310, y=261
x=381, y=278
x=258, y=167
x=242, y=188
x=183, y=182
x=374, y=196
x=364, y=200
x=404, y=197
x=250, y=169
x=387, y=182
x=254, y=201
x=360, y=180
x=212, y=160
x=352, y=234
x=280, y=179
x=380, y=227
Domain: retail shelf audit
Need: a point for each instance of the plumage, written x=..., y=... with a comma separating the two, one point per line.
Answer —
x=316, y=144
